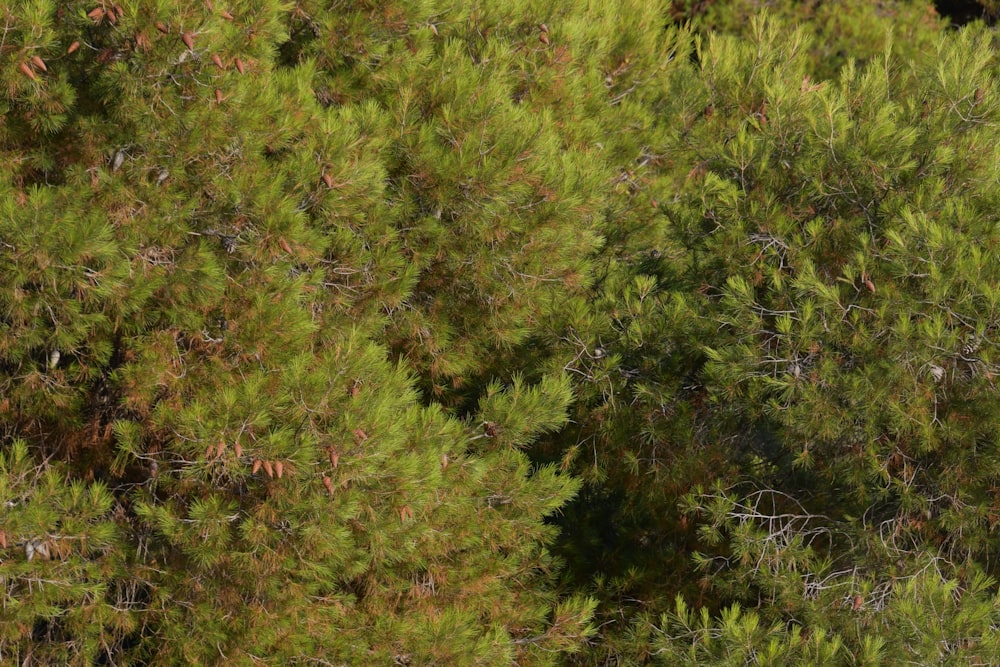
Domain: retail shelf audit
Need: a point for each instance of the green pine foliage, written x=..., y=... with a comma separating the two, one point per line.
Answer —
x=799, y=329
x=68, y=550
x=840, y=31
x=432, y=333
x=493, y=207
x=211, y=458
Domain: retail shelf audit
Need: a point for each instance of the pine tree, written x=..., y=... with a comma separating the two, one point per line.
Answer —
x=208, y=456
x=310, y=312
x=781, y=193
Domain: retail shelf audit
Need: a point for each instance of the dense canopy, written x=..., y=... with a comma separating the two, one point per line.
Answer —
x=422, y=332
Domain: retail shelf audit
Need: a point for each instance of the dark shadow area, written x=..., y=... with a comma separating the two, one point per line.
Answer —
x=960, y=12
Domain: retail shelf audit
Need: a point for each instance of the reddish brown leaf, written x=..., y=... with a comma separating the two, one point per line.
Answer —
x=226, y=15
x=239, y=66
x=238, y=448
x=218, y=61
x=444, y=462
x=279, y=469
x=188, y=40
x=359, y=435
x=328, y=179
x=284, y=245
x=543, y=37
x=256, y=466
x=162, y=28
x=328, y=483
x=39, y=63
x=96, y=14
x=209, y=451
x=268, y=468
x=73, y=47
x=334, y=457
x=867, y=282
x=218, y=96
x=857, y=603
x=112, y=17
x=26, y=70
x=3, y=540
x=544, y=28
x=220, y=449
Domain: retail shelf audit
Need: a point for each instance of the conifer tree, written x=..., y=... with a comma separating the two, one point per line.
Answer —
x=310, y=311
x=208, y=457
x=802, y=330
